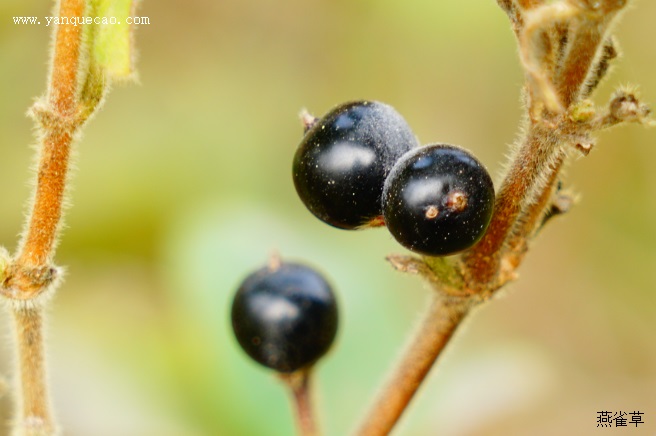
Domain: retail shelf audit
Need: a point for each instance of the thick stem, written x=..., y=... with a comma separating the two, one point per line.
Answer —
x=525, y=176
x=443, y=317
x=47, y=210
x=59, y=126
x=34, y=416
x=299, y=385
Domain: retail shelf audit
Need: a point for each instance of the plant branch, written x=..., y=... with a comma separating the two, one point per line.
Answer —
x=624, y=107
x=75, y=91
x=440, y=322
x=31, y=273
x=56, y=115
x=587, y=34
x=565, y=51
x=525, y=177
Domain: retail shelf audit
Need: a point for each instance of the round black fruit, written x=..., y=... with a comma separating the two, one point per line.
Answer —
x=340, y=166
x=438, y=200
x=285, y=316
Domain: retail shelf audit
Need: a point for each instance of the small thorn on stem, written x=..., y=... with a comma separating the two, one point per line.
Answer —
x=307, y=119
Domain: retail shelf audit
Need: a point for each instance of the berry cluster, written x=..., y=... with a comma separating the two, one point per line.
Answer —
x=361, y=166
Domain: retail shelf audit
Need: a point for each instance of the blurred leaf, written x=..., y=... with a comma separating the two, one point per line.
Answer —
x=112, y=47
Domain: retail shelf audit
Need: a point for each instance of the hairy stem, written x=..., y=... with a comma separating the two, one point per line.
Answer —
x=31, y=274
x=532, y=217
x=514, y=14
x=533, y=159
x=34, y=417
x=583, y=46
x=440, y=322
x=536, y=60
x=59, y=123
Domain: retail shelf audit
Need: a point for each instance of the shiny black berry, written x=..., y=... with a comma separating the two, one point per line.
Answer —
x=285, y=316
x=438, y=200
x=340, y=166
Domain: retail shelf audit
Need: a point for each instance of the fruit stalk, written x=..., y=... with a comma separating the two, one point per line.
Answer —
x=444, y=315
x=35, y=411
x=301, y=392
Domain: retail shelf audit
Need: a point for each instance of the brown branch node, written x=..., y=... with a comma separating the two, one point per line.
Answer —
x=23, y=283
x=52, y=120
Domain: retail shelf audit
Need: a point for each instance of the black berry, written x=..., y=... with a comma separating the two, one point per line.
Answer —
x=438, y=200
x=340, y=166
x=285, y=316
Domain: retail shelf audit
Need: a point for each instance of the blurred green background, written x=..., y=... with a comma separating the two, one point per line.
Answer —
x=183, y=186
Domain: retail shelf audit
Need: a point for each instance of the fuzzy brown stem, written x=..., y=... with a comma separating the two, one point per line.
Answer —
x=524, y=177
x=300, y=387
x=442, y=318
x=34, y=416
x=31, y=273
x=587, y=35
x=533, y=215
x=59, y=126
x=583, y=46
x=601, y=67
x=47, y=209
